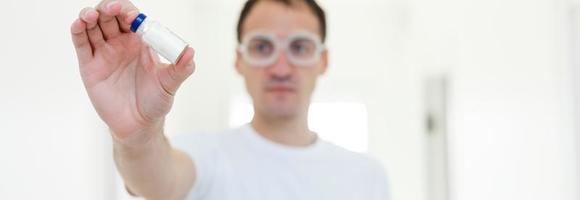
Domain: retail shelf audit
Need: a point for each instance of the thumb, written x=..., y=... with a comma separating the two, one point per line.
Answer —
x=173, y=75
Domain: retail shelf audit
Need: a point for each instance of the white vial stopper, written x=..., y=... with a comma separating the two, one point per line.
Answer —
x=162, y=40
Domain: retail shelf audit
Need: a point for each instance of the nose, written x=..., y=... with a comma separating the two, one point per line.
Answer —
x=281, y=68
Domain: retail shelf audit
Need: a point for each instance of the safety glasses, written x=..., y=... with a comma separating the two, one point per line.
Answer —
x=261, y=49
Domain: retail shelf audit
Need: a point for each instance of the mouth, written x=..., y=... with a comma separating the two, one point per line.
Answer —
x=280, y=89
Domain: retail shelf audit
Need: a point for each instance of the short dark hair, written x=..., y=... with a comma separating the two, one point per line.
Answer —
x=314, y=7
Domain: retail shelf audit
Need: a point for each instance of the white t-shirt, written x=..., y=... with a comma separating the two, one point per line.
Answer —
x=240, y=164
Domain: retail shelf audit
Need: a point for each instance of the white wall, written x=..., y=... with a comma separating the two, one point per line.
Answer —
x=574, y=45
x=511, y=103
x=50, y=145
x=511, y=126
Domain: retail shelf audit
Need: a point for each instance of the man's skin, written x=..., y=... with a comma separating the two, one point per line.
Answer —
x=132, y=91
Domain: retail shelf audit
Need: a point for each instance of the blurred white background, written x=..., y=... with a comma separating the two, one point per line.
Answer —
x=505, y=100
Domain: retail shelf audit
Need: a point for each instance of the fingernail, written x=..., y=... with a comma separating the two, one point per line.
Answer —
x=90, y=13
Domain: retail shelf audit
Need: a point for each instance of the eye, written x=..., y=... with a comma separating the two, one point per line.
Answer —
x=302, y=47
x=261, y=47
x=264, y=47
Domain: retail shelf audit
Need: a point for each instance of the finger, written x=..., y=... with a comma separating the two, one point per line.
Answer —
x=127, y=13
x=154, y=56
x=81, y=41
x=90, y=17
x=125, y=20
x=107, y=20
x=172, y=76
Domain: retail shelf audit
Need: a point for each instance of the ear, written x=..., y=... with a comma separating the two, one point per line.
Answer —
x=324, y=64
x=238, y=63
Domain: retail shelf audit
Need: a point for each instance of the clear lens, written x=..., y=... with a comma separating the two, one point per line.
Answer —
x=260, y=48
x=302, y=48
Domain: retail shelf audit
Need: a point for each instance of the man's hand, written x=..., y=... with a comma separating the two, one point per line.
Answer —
x=132, y=92
x=128, y=86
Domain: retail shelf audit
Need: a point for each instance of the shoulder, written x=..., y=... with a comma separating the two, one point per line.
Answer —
x=353, y=159
x=368, y=170
x=195, y=143
x=342, y=154
x=202, y=137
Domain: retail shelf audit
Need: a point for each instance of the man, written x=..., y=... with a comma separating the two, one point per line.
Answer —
x=280, y=55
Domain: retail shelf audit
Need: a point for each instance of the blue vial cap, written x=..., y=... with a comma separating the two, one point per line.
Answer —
x=137, y=22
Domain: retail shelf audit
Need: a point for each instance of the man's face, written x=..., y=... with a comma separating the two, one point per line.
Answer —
x=281, y=88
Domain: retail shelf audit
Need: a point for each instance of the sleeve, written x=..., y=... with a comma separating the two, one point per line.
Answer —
x=202, y=149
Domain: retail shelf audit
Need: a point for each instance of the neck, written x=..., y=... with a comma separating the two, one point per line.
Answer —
x=291, y=131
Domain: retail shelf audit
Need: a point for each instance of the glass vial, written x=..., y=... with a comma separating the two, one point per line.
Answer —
x=162, y=40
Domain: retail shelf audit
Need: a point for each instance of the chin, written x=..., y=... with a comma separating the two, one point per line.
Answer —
x=284, y=114
x=280, y=105
x=281, y=109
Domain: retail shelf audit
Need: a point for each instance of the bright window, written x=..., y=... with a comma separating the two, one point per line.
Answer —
x=342, y=123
